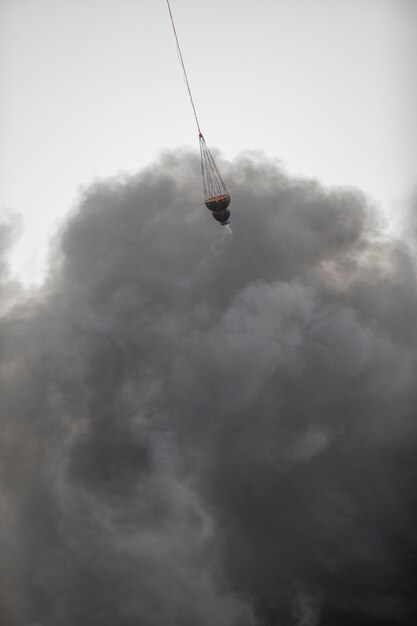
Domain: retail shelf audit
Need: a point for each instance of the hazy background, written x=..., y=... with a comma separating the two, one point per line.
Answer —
x=90, y=88
x=199, y=428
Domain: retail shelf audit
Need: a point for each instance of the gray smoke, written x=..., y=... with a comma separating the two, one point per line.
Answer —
x=199, y=429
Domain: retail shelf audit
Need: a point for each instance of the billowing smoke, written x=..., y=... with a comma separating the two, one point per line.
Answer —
x=199, y=429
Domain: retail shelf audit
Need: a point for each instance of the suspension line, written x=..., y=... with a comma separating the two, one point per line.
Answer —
x=183, y=68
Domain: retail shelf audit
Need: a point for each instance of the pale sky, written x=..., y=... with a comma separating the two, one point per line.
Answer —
x=92, y=88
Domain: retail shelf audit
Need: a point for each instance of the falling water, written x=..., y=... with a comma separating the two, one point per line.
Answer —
x=223, y=236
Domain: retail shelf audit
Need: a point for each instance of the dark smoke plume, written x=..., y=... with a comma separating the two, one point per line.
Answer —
x=205, y=430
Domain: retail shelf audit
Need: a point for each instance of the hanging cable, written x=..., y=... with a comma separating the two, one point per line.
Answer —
x=216, y=196
x=183, y=67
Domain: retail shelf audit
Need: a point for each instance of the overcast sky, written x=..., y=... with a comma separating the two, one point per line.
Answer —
x=92, y=88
